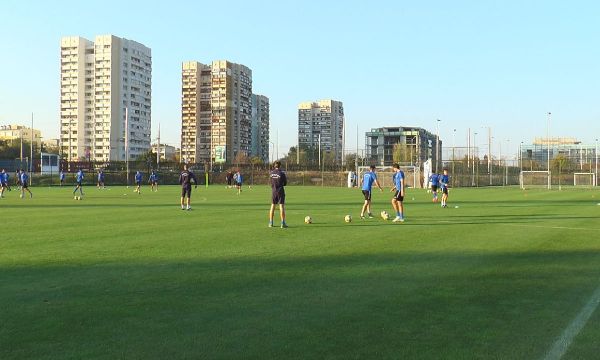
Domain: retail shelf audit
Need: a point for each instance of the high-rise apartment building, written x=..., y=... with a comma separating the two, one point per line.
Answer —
x=102, y=82
x=260, y=127
x=321, y=124
x=216, y=111
x=196, y=115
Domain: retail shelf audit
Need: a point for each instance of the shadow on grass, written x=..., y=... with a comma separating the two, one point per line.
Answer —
x=401, y=305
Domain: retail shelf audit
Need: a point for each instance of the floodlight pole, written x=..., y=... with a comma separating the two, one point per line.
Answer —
x=474, y=147
x=127, y=143
x=521, y=156
x=596, y=166
x=506, y=164
x=453, y=147
x=437, y=145
x=548, y=144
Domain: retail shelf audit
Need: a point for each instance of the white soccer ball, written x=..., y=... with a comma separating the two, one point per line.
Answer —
x=307, y=220
x=385, y=215
x=348, y=218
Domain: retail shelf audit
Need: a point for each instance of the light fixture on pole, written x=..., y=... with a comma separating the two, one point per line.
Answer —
x=596, y=166
x=548, y=144
x=437, y=145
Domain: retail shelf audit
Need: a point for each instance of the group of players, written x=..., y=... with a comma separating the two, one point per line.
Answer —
x=440, y=181
x=22, y=182
x=436, y=181
x=278, y=181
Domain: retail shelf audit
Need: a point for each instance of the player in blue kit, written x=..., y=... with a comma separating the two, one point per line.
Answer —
x=434, y=180
x=185, y=180
x=100, y=179
x=369, y=178
x=138, y=182
x=25, y=184
x=398, y=179
x=79, y=182
x=61, y=177
x=153, y=180
x=4, y=182
x=444, y=180
x=237, y=177
x=278, y=182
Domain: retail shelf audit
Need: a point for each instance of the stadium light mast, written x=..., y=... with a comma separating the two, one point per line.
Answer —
x=31, y=148
x=474, y=149
x=127, y=143
x=520, y=156
x=437, y=145
x=548, y=144
x=596, y=167
x=506, y=163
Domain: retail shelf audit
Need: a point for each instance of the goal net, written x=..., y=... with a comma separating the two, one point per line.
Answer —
x=584, y=179
x=535, y=179
x=412, y=175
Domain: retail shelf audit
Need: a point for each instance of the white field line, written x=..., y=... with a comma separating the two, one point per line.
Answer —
x=562, y=344
x=552, y=227
x=535, y=226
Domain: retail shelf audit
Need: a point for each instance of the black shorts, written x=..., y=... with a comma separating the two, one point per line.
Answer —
x=434, y=188
x=238, y=184
x=367, y=194
x=186, y=191
x=154, y=183
x=78, y=183
x=278, y=197
x=138, y=183
x=445, y=190
x=398, y=196
x=228, y=181
x=25, y=185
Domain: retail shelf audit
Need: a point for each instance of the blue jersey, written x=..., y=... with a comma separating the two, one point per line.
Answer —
x=444, y=179
x=62, y=175
x=368, y=180
x=79, y=176
x=398, y=179
x=153, y=177
x=434, y=179
x=100, y=176
x=24, y=178
x=5, y=178
x=238, y=177
x=138, y=177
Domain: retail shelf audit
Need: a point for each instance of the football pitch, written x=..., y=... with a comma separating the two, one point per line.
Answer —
x=505, y=275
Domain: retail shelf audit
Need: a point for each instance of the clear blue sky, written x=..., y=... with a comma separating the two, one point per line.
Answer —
x=503, y=64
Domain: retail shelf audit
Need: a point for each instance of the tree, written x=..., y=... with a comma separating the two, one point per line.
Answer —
x=401, y=153
x=241, y=159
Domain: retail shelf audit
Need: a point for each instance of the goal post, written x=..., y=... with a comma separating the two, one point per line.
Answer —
x=582, y=179
x=535, y=179
x=412, y=175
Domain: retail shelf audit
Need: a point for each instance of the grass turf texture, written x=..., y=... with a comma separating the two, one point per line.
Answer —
x=132, y=276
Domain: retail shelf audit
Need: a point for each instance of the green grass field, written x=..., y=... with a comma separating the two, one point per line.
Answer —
x=118, y=276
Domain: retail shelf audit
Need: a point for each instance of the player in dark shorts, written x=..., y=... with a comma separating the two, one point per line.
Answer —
x=398, y=198
x=434, y=179
x=444, y=180
x=185, y=180
x=369, y=178
x=278, y=181
x=25, y=184
x=229, y=178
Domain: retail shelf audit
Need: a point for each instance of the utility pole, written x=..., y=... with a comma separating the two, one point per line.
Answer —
x=127, y=143
x=548, y=143
x=158, y=148
x=31, y=148
x=437, y=146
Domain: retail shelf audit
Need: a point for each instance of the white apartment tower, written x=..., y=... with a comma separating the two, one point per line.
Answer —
x=260, y=127
x=215, y=111
x=105, y=86
x=322, y=122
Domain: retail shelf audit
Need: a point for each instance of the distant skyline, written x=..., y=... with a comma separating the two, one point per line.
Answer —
x=502, y=64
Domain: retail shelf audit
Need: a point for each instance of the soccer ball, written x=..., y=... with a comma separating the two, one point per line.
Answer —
x=75, y=198
x=308, y=220
x=385, y=215
x=348, y=218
